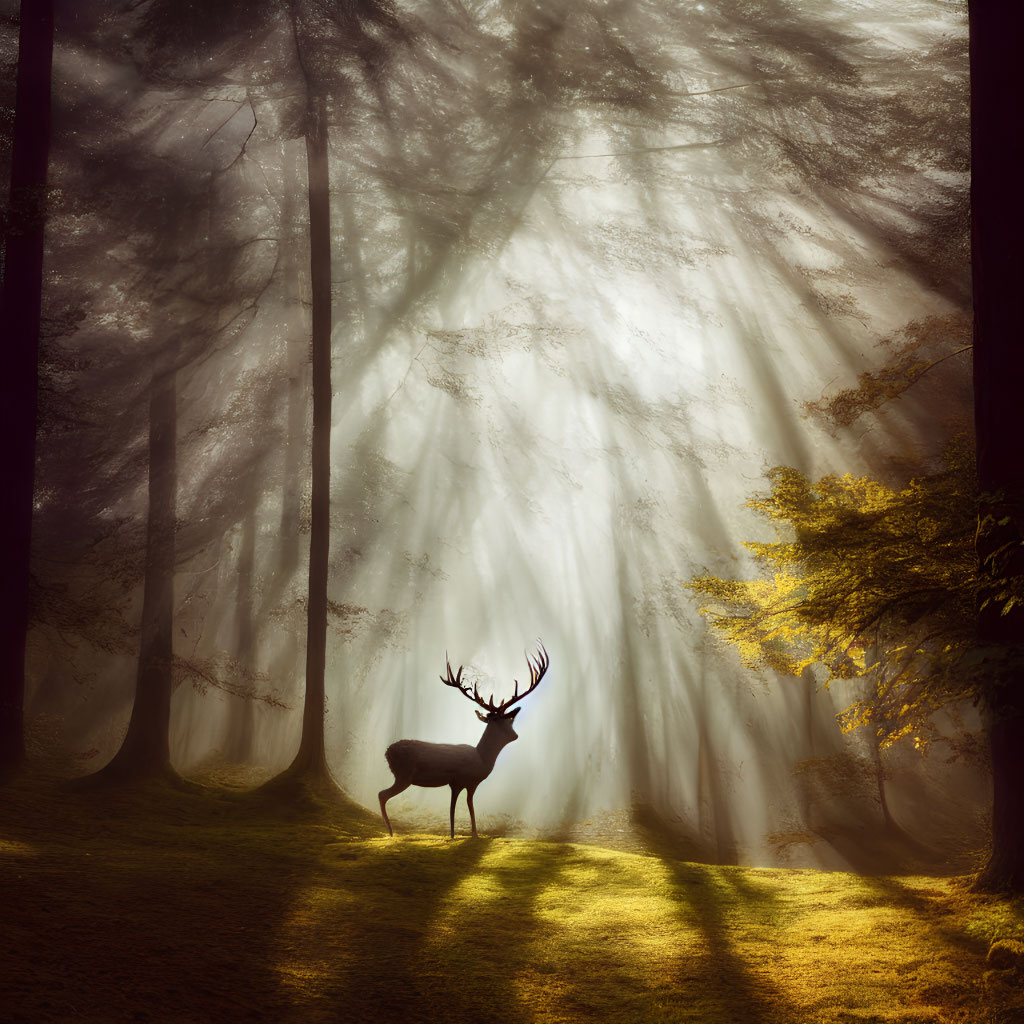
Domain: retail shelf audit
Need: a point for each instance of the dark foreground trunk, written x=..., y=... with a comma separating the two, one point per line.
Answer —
x=145, y=752
x=20, y=308
x=997, y=154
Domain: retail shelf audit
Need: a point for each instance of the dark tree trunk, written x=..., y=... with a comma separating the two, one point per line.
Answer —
x=997, y=224
x=20, y=308
x=311, y=756
x=298, y=384
x=145, y=752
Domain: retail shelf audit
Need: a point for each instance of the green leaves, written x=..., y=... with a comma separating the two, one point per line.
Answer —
x=871, y=581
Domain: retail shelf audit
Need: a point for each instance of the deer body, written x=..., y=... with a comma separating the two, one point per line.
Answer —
x=457, y=765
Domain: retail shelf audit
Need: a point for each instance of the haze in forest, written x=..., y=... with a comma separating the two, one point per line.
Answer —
x=591, y=260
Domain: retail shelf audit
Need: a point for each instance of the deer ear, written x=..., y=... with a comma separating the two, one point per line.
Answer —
x=483, y=718
x=512, y=714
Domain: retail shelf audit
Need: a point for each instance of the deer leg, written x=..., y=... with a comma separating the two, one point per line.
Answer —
x=385, y=795
x=469, y=800
x=456, y=790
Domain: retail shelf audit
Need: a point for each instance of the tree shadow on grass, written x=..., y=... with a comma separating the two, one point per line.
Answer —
x=145, y=903
x=783, y=945
x=630, y=937
x=954, y=982
x=162, y=905
x=732, y=984
x=418, y=928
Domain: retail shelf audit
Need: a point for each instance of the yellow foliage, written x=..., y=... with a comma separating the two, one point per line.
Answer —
x=870, y=581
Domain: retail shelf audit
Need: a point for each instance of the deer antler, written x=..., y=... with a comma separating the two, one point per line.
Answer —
x=537, y=670
x=474, y=694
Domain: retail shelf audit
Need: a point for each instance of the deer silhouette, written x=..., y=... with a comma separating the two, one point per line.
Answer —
x=459, y=765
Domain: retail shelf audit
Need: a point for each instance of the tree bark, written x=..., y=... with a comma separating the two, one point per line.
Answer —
x=145, y=752
x=311, y=756
x=997, y=228
x=20, y=312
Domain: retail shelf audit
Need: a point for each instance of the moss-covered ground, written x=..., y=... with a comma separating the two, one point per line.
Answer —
x=201, y=905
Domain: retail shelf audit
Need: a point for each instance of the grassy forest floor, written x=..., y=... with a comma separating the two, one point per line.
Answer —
x=205, y=905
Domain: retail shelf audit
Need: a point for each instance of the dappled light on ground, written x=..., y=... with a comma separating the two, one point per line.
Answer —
x=174, y=906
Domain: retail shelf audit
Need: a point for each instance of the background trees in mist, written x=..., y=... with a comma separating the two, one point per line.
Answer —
x=953, y=630
x=164, y=300
x=720, y=160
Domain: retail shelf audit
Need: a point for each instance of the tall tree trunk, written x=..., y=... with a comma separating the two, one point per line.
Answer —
x=311, y=756
x=20, y=310
x=145, y=751
x=997, y=228
x=238, y=739
x=297, y=357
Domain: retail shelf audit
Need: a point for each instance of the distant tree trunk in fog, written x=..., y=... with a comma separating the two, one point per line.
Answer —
x=713, y=822
x=20, y=311
x=242, y=720
x=311, y=757
x=805, y=792
x=145, y=751
x=997, y=228
x=879, y=768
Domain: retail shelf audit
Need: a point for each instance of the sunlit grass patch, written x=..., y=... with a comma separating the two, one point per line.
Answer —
x=880, y=948
x=991, y=918
x=289, y=915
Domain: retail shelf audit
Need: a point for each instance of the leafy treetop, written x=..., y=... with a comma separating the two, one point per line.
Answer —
x=877, y=582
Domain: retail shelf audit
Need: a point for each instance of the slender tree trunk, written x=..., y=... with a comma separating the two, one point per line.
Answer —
x=883, y=800
x=20, y=310
x=997, y=228
x=238, y=741
x=145, y=751
x=298, y=380
x=804, y=790
x=311, y=756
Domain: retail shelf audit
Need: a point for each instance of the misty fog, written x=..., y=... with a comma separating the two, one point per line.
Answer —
x=590, y=262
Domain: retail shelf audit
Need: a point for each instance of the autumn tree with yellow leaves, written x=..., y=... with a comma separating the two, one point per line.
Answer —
x=868, y=580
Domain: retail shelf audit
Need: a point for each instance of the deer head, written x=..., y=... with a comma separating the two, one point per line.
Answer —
x=501, y=715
